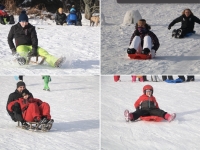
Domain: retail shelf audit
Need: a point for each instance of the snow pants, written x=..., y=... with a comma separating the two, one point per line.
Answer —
x=34, y=111
x=23, y=51
x=46, y=83
x=148, y=112
x=147, y=43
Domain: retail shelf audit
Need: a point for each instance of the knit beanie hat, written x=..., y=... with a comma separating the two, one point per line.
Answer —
x=21, y=83
x=25, y=92
x=23, y=17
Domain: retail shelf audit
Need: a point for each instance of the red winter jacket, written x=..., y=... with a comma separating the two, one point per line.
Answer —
x=147, y=102
x=3, y=13
x=24, y=103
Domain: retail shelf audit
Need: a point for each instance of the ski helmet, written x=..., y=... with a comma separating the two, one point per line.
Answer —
x=147, y=87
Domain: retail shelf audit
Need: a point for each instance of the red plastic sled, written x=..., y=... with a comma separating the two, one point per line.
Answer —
x=152, y=118
x=139, y=56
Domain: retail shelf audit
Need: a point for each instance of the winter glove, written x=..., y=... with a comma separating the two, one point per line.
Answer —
x=16, y=108
x=13, y=118
x=39, y=103
x=169, y=27
x=33, y=52
x=13, y=51
x=137, y=108
x=137, y=33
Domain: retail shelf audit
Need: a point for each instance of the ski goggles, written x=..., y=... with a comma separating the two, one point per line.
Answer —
x=148, y=91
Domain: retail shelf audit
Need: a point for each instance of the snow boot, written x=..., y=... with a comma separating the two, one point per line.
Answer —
x=145, y=51
x=174, y=32
x=131, y=51
x=171, y=117
x=49, y=124
x=25, y=125
x=128, y=116
x=59, y=62
x=21, y=60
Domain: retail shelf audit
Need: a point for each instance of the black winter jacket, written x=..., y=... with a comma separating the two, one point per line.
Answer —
x=23, y=36
x=187, y=23
x=60, y=18
x=14, y=96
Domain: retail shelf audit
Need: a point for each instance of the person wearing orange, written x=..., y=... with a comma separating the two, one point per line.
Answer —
x=147, y=105
x=33, y=109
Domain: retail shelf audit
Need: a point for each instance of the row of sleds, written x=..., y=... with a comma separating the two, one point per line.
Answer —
x=37, y=126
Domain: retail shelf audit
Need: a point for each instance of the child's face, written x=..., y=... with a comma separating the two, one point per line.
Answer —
x=25, y=96
x=148, y=92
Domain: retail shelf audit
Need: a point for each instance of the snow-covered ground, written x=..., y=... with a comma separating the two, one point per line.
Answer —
x=175, y=56
x=74, y=103
x=79, y=44
x=181, y=134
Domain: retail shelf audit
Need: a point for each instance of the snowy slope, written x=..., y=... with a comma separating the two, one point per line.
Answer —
x=181, y=134
x=74, y=103
x=79, y=44
x=172, y=55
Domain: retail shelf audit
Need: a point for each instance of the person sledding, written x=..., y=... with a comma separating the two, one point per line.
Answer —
x=33, y=110
x=4, y=17
x=72, y=17
x=143, y=41
x=147, y=105
x=26, y=43
x=187, y=19
x=16, y=114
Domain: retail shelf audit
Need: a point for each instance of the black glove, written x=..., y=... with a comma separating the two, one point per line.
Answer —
x=16, y=108
x=13, y=51
x=137, y=108
x=169, y=27
x=32, y=53
x=14, y=119
x=137, y=33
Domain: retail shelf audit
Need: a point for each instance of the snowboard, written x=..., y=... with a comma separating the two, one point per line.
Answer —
x=139, y=56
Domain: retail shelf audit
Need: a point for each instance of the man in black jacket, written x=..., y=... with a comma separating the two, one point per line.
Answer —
x=26, y=43
x=16, y=115
x=187, y=20
x=60, y=17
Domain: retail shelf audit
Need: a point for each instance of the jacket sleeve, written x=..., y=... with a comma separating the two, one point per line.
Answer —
x=34, y=38
x=10, y=38
x=155, y=41
x=35, y=100
x=137, y=103
x=11, y=104
x=133, y=35
x=197, y=20
x=179, y=19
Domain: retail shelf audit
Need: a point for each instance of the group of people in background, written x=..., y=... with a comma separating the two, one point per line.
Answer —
x=74, y=17
x=143, y=78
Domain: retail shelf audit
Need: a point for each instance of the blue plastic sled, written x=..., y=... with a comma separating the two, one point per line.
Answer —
x=174, y=81
x=189, y=34
x=16, y=78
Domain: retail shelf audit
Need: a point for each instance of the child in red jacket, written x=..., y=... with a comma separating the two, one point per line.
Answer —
x=33, y=109
x=147, y=105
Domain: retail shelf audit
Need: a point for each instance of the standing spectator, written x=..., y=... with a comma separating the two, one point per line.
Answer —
x=46, y=79
x=79, y=17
